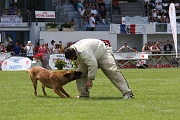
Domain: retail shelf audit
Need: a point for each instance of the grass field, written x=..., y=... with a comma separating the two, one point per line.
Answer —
x=156, y=92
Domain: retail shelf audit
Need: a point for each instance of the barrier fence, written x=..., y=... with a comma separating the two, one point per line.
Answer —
x=123, y=60
x=134, y=60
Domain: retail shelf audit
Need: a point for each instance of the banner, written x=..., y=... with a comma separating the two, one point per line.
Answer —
x=136, y=20
x=131, y=56
x=172, y=15
x=44, y=14
x=165, y=28
x=11, y=20
x=127, y=29
x=16, y=63
x=53, y=59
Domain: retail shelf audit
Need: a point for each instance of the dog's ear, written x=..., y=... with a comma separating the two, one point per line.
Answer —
x=67, y=75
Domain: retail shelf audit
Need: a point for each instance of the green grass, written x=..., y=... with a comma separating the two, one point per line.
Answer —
x=156, y=98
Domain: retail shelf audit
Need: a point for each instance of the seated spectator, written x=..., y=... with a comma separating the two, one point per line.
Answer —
x=145, y=48
x=146, y=1
x=72, y=22
x=87, y=16
x=167, y=19
x=95, y=12
x=162, y=19
x=159, y=8
x=156, y=1
x=79, y=6
x=154, y=14
x=115, y=6
x=82, y=14
x=103, y=15
x=126, y=48
x=147, y=7
x=100, y=3
x=168, y=47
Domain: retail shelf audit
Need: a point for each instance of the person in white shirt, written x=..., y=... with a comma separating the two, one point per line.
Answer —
x=94, y=10
x=82, y=14
x=29, y=50
x=92, y=22
x=51, y=47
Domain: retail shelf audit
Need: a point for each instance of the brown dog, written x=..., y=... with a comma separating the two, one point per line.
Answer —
x=52, y=79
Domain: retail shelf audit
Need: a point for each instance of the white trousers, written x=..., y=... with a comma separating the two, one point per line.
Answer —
x=109, y=68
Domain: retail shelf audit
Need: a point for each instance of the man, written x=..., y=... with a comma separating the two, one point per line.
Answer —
x=103, y=14
x=168, y=47
x=126, y=48
x=115, y=5
x=91, y=54
x=92, y=22
x=29, y=50
x=51, y=47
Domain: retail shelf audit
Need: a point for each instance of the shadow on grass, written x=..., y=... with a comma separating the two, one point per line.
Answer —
x=106, y=98
x=90, y=98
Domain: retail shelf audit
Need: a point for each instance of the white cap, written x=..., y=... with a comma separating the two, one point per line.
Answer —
x=29, y=42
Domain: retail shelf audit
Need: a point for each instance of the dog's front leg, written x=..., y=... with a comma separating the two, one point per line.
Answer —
x=43, y=89
x=64, y=92
x=56, y=90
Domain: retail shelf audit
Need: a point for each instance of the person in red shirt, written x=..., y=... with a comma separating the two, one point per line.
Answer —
x=115, y=5
x=37, y=47
x=43, y=49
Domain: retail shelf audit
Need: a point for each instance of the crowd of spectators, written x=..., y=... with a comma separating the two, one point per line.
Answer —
x=92, y=13
x=29, y=49
x=13, y=10
x=150, y=47
x=158, y=10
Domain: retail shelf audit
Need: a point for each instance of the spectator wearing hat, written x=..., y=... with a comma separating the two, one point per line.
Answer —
x=29, y=50
x=126, y=48
x=51, y=47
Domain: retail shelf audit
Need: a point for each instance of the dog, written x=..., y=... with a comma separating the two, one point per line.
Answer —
x=52, y=79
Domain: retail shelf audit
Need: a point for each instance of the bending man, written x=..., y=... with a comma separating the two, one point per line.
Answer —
x=91, y=54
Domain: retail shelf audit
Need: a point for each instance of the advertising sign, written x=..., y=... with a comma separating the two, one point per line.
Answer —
x=130, y=56
x=11, y=20
x=44, y=14
x=16, y=63
x=55, y=57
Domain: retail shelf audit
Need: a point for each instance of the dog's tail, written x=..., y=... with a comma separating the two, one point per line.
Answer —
x=28, y=70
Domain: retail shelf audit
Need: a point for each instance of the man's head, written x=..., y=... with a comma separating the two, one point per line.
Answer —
x=52, y=42
x=167, y=41
x=70, y=53
x=125, y=43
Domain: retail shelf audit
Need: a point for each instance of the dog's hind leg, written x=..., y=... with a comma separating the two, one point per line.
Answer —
x=43, y=89
x=56, y=90
x=34, y=82
x=64, y=92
